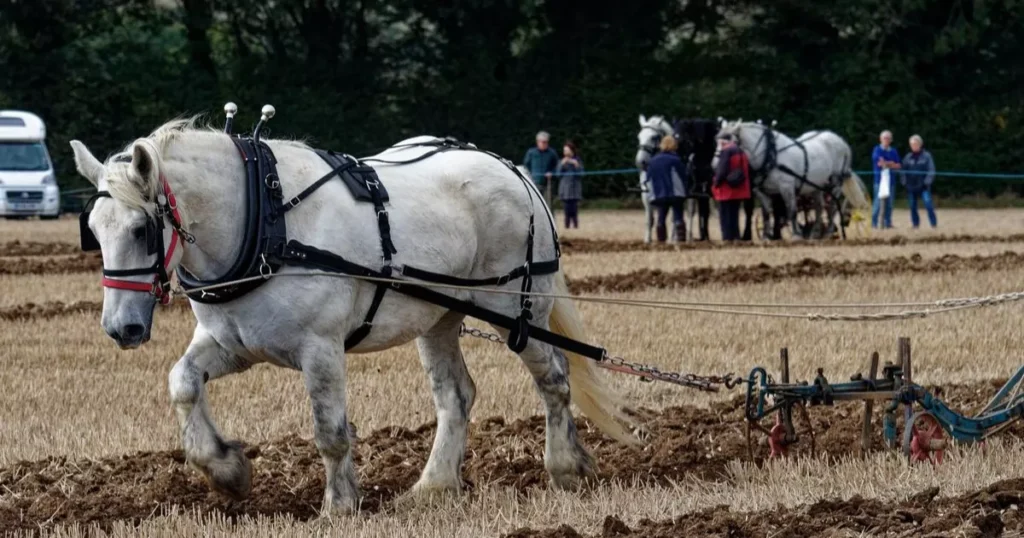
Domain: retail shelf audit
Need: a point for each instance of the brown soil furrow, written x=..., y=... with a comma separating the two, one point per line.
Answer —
x=53, y=309
x=683, y=443
x=807, y=268
x=38, y=248
x=583, y=245
x=586, y=245
x=77, y=263
x=686, y=278
x=985, y=513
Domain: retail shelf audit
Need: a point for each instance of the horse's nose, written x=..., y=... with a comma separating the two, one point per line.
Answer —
x=133, y=331
x=130, y=335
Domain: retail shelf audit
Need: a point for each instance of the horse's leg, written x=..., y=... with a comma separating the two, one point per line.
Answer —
x=454, y=393
x=323, y=371
x=789, y=198
x=648, y=217
x=222, y=463
x=819, y=215
x=567, y=462
x=766, y=215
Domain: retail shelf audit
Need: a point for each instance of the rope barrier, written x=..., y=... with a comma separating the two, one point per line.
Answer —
x=941, y=306
x=634, y=171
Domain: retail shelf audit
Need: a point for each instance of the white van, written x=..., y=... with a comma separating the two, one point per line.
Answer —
x=28, y=186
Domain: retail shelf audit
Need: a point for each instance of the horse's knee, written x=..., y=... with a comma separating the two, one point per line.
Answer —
x=182, y=382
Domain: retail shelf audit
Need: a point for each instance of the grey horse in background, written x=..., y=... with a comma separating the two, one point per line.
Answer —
x=652, y=130
x=815, y=164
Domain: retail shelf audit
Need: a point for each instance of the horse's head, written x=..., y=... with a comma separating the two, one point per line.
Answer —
x=730, y=130
x=652, y=130
x=133, y=220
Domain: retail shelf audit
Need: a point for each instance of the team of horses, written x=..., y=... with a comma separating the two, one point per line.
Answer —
x=789, y=175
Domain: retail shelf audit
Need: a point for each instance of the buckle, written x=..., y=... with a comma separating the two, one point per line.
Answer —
x=293, y=202
x=272, y=182
x=382, y=212
x=504, y=279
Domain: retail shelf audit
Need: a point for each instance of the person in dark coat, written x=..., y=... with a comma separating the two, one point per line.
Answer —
x=668, y=178
x=917, y=174
x=731, y=187
x=541, y=160
x=570, y=183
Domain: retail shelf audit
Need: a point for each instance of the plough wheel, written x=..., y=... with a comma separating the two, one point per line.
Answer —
x=924, y=439
x=772, y=442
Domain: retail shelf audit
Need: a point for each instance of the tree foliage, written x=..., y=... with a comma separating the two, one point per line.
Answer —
x=358, y=75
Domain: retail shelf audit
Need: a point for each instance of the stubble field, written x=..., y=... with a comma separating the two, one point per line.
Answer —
x=89, y=444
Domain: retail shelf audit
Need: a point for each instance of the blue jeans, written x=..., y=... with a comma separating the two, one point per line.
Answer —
x=926, y=197
x=877, y=205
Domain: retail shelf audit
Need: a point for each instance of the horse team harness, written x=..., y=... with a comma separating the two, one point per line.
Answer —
x=266, y=246
x=771, y=163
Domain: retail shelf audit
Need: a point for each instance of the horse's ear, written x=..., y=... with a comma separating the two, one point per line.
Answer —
x=144, y=165
x=643, y=120
x=88, y=166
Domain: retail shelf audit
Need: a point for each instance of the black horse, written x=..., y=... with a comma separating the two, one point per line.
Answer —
x=698, y=145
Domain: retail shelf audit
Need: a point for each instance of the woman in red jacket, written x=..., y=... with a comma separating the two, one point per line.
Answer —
x=731, y=186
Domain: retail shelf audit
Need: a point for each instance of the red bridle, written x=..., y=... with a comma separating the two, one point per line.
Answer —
x=160, y=287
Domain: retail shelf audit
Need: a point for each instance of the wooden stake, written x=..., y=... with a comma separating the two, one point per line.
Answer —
x=865, y=435
x=784, y=364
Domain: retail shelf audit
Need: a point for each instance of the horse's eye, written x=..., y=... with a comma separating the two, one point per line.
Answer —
x=139, y=232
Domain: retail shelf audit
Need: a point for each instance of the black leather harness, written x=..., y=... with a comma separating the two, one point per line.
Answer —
x=266, y=247
x=771, y=162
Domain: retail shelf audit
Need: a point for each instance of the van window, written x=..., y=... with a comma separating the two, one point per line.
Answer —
x=23, y=157
x=8, y=121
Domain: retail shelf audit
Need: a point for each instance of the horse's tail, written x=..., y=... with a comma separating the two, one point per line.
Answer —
x=854, y=191
x=588, y=392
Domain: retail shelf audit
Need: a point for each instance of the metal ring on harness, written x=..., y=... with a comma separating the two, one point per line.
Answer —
x=265, y=270
x=272, y=182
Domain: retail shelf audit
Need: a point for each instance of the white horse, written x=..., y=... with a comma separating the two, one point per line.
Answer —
x=459, y=213
x=813, y=165
x=652, y=130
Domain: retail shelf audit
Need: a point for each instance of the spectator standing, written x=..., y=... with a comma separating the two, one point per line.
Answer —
x=884, y=157
x=570, y=184
x=541, y=161
x=731, y=187
x=668, y=178
x=918, y=173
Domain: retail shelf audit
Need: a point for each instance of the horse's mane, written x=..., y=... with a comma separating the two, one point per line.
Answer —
x=129, y=190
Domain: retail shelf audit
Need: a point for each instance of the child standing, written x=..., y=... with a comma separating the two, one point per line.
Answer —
x=570, y=184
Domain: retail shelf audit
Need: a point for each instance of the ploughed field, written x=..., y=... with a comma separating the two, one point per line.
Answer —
x=89, y=444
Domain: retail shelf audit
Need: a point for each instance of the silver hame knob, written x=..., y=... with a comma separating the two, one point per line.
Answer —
x=268, y=112
x=230, y=109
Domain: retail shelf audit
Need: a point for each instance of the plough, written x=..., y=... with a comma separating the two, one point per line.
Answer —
x=928, y=421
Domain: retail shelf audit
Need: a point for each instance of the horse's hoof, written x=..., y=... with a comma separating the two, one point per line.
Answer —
x=572, y=478
x=231, y=475
x=424, y=489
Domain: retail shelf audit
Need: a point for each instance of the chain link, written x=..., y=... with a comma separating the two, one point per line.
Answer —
x=646, y=373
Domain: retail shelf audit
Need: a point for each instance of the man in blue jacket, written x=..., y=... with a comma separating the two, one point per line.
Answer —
x=918, y=173
x=541, y=160
x=884, y=157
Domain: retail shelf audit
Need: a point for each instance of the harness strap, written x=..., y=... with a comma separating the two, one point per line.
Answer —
x=364, y=330
x=307, y=256
x=538, y=268
x=298, y=198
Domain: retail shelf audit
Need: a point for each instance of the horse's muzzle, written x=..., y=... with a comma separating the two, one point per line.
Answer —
x=130, y=336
